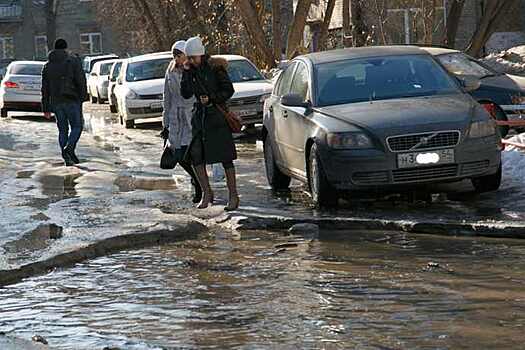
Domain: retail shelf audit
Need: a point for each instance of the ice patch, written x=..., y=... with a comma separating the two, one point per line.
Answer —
x=513, y=167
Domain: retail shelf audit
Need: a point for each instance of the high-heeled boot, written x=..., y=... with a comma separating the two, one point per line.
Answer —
x=231, y=182
x=207, y=194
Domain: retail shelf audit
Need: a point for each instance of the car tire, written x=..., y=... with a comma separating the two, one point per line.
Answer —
x=93, y=99
x=323, y=194
x=488, y=183
x=113, y=108
x=130, y=124
x=99, y=100
x=276, y=179
x=3, y=113
x=121, y=119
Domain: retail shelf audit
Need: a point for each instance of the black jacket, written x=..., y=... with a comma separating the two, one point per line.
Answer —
x=62, y=69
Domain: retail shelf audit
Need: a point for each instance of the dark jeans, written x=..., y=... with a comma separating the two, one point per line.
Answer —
x=69, y=115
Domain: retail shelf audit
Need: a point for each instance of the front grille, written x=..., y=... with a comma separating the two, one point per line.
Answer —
x=425, y=174
x=244, y=101
x=474, y=168
x=145, y=110
x=151, y=97
x=423, y=141
x=370, y=178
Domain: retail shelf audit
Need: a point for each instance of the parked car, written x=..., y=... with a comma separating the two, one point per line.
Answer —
x=502, y=94
x=98, y=81
x=21, y=87
x=113, y=75
x=376, y=118
x=251, y=89
x=140, y=87
x=89, y=61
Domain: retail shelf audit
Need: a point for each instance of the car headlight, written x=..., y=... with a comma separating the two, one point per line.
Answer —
x=482, y=129
x=518, y=100
x=131, y=95
x=264, y=98
x=348, y=140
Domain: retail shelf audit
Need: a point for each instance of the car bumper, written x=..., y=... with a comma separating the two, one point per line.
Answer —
x=365, y=169
x=249, y=114
x=141, y=109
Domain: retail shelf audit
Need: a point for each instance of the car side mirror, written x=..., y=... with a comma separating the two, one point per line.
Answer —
x=294, y=100
x=470, y=83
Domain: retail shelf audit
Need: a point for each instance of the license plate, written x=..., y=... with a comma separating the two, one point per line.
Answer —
x=30, y=87
x=415, y=159
x=246, y=112
x=156, y=106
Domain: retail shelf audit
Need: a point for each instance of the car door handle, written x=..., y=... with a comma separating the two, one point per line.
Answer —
x=285, y=114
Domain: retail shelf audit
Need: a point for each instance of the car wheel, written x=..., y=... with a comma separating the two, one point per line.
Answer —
x=276, y=179
x=323, y=194
x=488, y=183
x=502, y=116
x=93, y=99
x=130, y=124
x=3, y=113
x=99, y=100
x=113, y=108
x=121, y=119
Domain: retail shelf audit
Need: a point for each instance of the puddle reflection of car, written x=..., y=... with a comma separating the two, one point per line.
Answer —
x=503, y=95
x=21, y=88
x=376, y=118
x=140, y=87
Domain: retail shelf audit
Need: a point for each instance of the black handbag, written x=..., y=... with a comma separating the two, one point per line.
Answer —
x=168, y=159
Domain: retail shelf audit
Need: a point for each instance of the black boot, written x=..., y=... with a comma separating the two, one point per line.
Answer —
x=67, y=158
x=197, y=191
x=72, y=155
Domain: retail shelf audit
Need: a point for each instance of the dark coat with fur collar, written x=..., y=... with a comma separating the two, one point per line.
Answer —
x=208, y=123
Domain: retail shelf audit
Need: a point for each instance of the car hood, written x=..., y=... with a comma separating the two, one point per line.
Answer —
x=407, y=115
x=147, y=87
x=252, y=88
x=505, y=81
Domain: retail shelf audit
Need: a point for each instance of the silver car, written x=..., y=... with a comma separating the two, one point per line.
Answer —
x=376, y=118
x=21, y=88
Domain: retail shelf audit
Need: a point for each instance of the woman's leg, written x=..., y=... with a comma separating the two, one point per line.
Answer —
x=231, y=181
x=197, y=191
x=197, y=156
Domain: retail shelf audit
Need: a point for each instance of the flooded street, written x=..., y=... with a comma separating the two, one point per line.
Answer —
x=345, y=290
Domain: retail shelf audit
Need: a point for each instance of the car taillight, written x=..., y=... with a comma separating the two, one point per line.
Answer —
x=11, y=85
x=491, y=108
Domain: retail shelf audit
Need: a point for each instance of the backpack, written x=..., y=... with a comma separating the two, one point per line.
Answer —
x=68, y=86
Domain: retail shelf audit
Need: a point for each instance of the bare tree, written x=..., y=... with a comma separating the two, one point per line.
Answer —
x=326, y=24
x=51, y=22
x=453, y=20
x=356, y=15
x=492, y=13
x=276, y=29
x=295, y=35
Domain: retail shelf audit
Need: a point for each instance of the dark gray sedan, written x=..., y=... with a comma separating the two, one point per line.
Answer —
x=376, y=118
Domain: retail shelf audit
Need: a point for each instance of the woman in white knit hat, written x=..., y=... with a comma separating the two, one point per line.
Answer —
x=177, y=115
x=206, y=78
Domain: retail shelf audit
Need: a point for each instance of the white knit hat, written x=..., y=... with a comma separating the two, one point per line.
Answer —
x=194, y=47
x=179, y=45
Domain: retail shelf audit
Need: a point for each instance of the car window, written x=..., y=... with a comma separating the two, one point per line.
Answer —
x=300, y=82
x=286, y=80
x=26, y=69
x=461, y=64
x=105, y=68
x=116, y=70
x=242, y=70
x=380, y=78
x=147, y=70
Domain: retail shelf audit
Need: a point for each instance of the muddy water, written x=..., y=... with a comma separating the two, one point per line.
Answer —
x=344, y=291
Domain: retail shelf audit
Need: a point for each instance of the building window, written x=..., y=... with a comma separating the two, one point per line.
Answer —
x=91, y=43
x=7, y=48
x=40, y=46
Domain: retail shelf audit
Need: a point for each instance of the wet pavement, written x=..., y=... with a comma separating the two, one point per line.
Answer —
x=345, y=290
x=361, y=289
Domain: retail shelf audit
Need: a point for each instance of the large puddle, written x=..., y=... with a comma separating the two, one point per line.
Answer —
x=344, y=291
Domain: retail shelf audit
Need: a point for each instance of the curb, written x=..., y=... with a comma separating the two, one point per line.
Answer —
x=136, y=240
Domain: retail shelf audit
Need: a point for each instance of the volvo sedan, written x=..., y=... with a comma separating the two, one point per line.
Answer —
x=376, y=118
x=21, y=88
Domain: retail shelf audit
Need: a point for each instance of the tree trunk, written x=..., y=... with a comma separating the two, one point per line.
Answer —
x=193, y=17
x=323, y=35
x=381, y=19
x=254, y=26
x=453, y=18
x=347, y=25
x=51, y=22
x=276, y=29
x=295, y=35
x=147, y=18
x=493, y=11
x=359, y=30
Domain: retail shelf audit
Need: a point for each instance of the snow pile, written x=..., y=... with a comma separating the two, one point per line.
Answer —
x=511, y=61
x=513, y=167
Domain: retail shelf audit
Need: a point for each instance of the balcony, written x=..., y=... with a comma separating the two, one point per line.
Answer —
x=10, y=12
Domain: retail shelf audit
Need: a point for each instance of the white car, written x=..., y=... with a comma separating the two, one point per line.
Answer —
x=140, y=87
x=89, y=61
x=251, y=89
x=21, y=88
x=113, y=75
x=98, y=81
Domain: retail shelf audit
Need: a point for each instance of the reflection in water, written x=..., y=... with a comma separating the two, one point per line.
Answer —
x=362, y=291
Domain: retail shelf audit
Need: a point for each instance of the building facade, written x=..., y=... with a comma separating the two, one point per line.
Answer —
x=23, y=29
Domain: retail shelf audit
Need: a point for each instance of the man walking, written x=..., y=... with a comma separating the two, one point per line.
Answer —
x=63, y=91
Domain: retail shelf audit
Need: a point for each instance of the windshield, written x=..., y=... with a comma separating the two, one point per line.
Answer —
x=243, y=70
x=116, y=70
x=380, y=78
x=460, y=64
x=147, y=70
x=26, y=69
x=105, y=68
